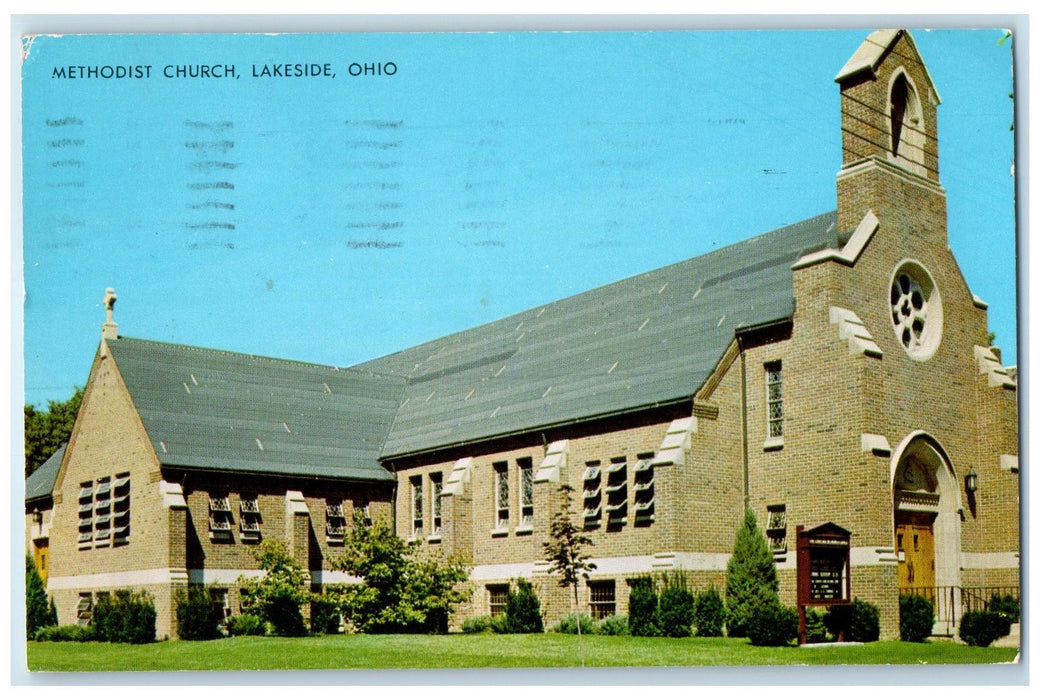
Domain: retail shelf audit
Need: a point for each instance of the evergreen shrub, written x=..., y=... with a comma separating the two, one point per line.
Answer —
x=709, y=613
x=65, y=633
x=38, y=613
x=983, y=627
x=916, y=618
x=523, y=609
x=475, y=625
x=126, y=617
x=642, y=608
x=1006, y=605
x=772, y=625
x=675, y=607
x=197, y=617
x=569, y=624
x=246, y=625
x=500, y=624
x=864, y=622
x=751, y=581
x=815, y=629
x=613, y=626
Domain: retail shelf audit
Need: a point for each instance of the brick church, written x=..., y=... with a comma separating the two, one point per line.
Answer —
x=837, y=370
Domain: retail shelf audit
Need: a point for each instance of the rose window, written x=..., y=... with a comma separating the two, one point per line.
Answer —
x=916, y=311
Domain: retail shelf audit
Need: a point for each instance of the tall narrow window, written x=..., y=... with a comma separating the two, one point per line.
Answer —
x=250, y=522
x=501, y=495
x=417, y=506
x=775, y=400
x=776, y=528
x=219, y=517
x=436, y=486
x=526, y=490
x=335, y=521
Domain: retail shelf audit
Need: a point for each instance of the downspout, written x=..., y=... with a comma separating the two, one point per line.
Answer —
x=743, y=423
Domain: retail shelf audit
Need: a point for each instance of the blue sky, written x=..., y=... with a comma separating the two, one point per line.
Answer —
x=335, y=220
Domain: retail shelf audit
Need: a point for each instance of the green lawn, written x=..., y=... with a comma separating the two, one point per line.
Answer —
x=478, y=651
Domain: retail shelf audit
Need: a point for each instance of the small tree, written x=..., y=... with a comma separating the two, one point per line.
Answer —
x=750, y=577
x=523, y=609
x=403, y=589
x=565, y=552
x=37, y=611
x=277, y=596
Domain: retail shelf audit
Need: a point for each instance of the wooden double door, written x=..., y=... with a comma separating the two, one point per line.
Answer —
x=915, y=545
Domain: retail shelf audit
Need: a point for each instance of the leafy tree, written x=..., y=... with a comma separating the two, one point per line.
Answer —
x=750, y=577
x=403, y=589
x=46, y=431
x=523, y=609
x=38, y=613
x=565, y=552
x=277, y=596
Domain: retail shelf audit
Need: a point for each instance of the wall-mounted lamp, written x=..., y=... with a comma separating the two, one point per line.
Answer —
x=971, y=481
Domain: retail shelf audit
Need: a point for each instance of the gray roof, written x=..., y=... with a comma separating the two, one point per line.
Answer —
x=40, y=483
x=223, y=410
x=644, y=341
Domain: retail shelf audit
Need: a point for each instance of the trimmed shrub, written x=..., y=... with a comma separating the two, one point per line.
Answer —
x=197, y=618
x=1006, y=605
x=127, y=617
x=246, y=625
x=815, y=629
x=523, y=609
x=475, y=625
x=65, y=633
x=773, y=625
x=642, y=608
x=864, y=622
x=709, y=613
x=569, y=624
x=675, y=607
x=324, y=616
x=983, y=627
x=613, y=626
x=916, y=618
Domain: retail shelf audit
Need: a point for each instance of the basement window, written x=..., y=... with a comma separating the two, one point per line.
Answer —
x=776, y=528
x=498, y=597
x=602, y=599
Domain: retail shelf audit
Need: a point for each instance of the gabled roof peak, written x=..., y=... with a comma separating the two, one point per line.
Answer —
x=871, y=52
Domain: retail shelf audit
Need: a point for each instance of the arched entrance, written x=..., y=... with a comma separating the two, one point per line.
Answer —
x=926, y=510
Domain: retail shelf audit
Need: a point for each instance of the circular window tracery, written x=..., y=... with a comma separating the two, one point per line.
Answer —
x=916, y=310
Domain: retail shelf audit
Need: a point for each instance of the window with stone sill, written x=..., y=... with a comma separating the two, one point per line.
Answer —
x=335, y=521
x=220, y=517
x=436, y=487
x=776, y=528
x=774, y=403
x=250, y=518
x=526, y=491
x=501, y=495
x=602, y=599
x=498, y=598
x=417, y=505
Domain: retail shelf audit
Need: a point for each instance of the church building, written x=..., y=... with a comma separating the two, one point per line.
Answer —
x=834, y=371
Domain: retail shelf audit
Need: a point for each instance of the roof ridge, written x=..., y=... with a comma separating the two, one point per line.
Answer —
x=266, y=358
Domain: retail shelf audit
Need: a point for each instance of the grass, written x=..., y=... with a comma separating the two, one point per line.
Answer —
x=478, y=651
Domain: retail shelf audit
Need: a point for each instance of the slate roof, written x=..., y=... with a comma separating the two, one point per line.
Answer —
x=40, y=483
x=223, y=410
x=648, y=340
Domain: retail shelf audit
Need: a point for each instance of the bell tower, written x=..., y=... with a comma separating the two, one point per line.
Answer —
x=890, y=154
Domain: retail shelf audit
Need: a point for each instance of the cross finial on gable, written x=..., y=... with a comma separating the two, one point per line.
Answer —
x=109, y=330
